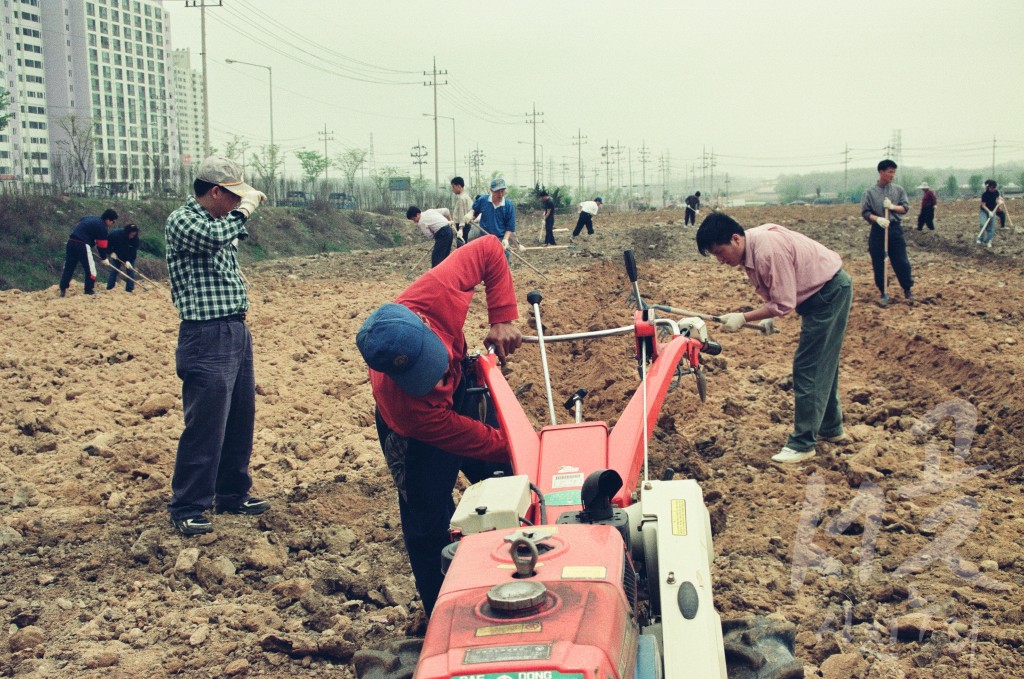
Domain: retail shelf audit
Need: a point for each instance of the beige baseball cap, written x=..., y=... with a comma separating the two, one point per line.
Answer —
x=224, y=172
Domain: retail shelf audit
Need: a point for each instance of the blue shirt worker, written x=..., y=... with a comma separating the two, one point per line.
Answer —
x=124, y=246
x=214, y=354
x=88, y=232
x=497, y=215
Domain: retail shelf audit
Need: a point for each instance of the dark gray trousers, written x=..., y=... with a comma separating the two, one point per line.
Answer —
x=218, y=393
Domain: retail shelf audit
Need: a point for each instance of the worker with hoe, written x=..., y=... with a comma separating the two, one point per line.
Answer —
x=692, y=209
x=497, y=216
x=124, y=246
x=427, y=421
x=434, y=223
x=990, y=209
x=88, y=232
x=588, y=209
x=791, y=272
x=214, y=354
x=883, y=206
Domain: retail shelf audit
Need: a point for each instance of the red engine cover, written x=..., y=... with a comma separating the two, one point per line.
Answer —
x=584, y=627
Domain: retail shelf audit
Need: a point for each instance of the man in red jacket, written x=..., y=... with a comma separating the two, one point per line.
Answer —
x=416, y=351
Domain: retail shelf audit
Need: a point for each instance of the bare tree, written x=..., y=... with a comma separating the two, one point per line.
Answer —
x=349, y=163
x=78, y=145
x=266, y=162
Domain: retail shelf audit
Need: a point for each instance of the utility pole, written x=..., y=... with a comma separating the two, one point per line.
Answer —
x=419, y=152
x=579, y=140
x=326, y=137
x=712, y=170
x=727, y=188
x=565, y=169
x=476, y=161
x=846, y=170
x=703, y=165
x=606, y=153
x=532, y=120
x=618, y=160
x=437, y=153
x=201, y=4
x=644, y=152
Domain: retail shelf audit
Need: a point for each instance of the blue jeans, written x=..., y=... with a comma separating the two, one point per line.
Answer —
x=129, y=285
x=987, y=227
x=218, y=393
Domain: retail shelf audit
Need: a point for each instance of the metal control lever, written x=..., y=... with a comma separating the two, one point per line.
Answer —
x=575, y=404
x=534, y=299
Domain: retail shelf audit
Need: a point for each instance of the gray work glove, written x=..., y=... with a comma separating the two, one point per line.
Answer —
x=887, y=204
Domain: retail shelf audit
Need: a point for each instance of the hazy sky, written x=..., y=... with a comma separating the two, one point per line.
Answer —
x=770, y=87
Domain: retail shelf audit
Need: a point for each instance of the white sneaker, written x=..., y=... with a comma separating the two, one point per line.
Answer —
x=989, y=245
x=788, y=456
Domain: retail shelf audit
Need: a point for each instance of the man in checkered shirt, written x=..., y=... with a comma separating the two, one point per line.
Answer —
x=214, y=354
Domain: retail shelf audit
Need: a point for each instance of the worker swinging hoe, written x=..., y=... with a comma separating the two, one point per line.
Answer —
x=579, y=565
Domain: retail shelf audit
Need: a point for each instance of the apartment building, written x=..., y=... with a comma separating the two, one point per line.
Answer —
x=188, y=95
x=92, y=92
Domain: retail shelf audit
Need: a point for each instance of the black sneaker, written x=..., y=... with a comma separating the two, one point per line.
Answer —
x=249, y=506
x=63, y=291
x=193, y=525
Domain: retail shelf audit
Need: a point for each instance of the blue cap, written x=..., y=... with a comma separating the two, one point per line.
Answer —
x=498, y=184
x=396, y=342
x=598, y=200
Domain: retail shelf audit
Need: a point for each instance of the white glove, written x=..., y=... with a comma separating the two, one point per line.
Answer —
x=105, y=262
x=468, y=219
x=732, y=322
x=128, y=265
x=250, y=202
x=882, y=222
x=887, y=204
x=504, y=243
x=113, y=256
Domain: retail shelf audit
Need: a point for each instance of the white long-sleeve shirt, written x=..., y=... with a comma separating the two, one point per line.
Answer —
x=433, y=219
x=589, y=206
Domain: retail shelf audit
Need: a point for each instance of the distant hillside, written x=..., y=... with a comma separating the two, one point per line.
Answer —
x=35, y=229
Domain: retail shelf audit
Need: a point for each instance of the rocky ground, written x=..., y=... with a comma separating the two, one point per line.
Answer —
x=898, y=554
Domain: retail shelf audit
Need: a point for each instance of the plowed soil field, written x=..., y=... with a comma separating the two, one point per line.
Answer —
x=898, y=554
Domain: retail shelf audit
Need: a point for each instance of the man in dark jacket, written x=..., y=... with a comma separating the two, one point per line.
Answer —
x=89, y=231
x=124, y=246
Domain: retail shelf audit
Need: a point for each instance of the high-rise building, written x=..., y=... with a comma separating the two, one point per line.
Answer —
x=188, y=95
x=92, y=92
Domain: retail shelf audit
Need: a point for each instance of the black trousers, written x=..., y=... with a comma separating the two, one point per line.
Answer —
x=549, y=232
x=76, y=252
x=443, y=238
x=690, y=216
x=897, y=255
x=926, y=218
x=425, y=477
x=586, y=219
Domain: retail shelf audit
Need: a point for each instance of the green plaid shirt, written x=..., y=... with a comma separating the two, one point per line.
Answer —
x=202, y=262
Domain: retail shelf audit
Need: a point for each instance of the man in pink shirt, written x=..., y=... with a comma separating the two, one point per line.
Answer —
x=792, y=272
x=427, y=423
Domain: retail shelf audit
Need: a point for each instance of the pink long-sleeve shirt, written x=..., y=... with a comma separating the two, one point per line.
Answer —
x=786, y=267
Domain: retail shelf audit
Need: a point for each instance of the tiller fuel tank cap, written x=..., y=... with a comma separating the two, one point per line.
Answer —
x=516, y=597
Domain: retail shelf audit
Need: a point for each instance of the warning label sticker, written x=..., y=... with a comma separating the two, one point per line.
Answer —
x=679, y=517
x=572, y=480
